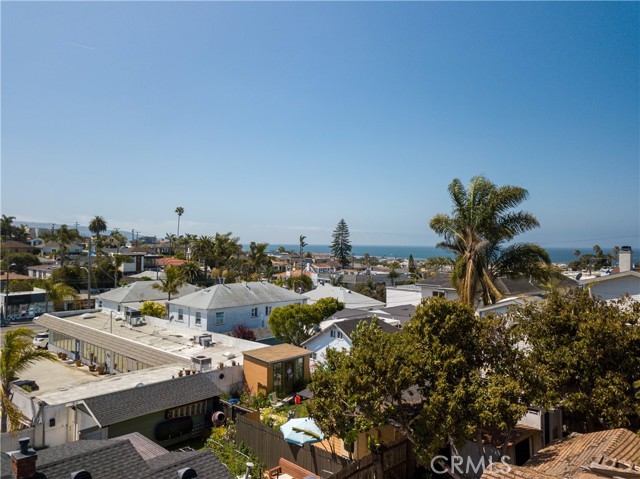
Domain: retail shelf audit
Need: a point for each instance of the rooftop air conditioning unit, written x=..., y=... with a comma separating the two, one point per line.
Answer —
x=205, y=340
x=228, y=355
x=201, y=363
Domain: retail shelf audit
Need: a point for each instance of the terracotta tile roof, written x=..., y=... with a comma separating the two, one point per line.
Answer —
x=170, y=262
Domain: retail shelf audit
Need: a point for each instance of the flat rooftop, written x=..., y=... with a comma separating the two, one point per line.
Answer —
x=60, y=382
x=179, y=346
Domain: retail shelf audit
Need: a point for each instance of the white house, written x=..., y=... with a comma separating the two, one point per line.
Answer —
x=616, y=285
x=223, y=306
x=133, y=295
x=337, y=335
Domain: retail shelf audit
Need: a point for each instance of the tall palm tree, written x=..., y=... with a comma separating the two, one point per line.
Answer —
x=179, y=212
x=17, y=353
x=478, y=231
x=64, y=236
x=97, y=225
x=225, y=248
x=204, y=251
x=6, y=227
x=172, y=281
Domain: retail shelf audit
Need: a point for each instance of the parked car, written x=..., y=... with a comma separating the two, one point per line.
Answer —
x=41, y=341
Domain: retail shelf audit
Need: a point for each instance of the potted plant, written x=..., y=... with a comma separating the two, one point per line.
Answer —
x=187, y=372
x=92, y=367
x=180, y=373
x=63, y=356
x=78, y=362
x=220, y=365
x=100, y=370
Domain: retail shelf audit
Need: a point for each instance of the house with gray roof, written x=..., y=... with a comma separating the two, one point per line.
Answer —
x=351, y=299
x=338, y=335
x=127, y=456
x=221, y=307
x=132, y=296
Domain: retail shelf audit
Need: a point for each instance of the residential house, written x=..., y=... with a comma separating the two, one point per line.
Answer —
x=12, y=246
x=282, y=368
x=164, y=262
x=597, y=455
x=221, y=307
x=53, y=248
x=41, y=271
x=132, y=455
x=338, y=335
x=137, y=261
x=132, y=296
x=351, y=299
x=624, y=282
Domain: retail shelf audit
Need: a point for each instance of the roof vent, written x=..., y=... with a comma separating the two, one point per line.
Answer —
x=228, y=355
x=81, y=474
x=187, y=473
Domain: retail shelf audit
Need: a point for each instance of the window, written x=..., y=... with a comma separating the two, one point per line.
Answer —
x=180, y=315
x=333, y=333
x=219, y=318
x=267, y=310
x=277, y=376
x=118, y=308
x=254, y=312
x=438, y=294
x=198, y=318
x=339, y=334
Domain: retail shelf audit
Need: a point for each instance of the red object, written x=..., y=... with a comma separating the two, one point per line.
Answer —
x=297, y=399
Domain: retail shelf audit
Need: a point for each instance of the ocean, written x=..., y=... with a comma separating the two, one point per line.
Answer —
x=558, y=255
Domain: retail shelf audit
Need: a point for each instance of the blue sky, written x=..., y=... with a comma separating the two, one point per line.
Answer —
x=272, y=120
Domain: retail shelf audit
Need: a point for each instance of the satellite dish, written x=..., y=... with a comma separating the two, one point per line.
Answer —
x=578, y=276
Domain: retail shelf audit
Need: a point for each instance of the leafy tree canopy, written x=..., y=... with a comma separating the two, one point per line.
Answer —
x=295, y=323
x=151, y=308
x=21, y=262
x=242, y=331
x=446, y=377
x=591, y=350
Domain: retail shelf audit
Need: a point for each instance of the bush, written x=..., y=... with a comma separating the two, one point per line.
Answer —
x=149, y=308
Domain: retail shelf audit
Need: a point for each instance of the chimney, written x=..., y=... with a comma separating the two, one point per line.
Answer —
x=625, y=259
x=23, y=462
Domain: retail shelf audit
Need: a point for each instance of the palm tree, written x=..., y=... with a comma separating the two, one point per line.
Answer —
x=97, y=225
x=64, y=236
x=258, y=258
x=172, y=281
x=393, y=272
x=203, y=251
x=191, y=272
x=17, y=353
x=6, y=227
x=477, y=232
x=179, y=212
x=55, y=292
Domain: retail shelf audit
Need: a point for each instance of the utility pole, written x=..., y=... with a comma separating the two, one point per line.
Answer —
x=89, y=277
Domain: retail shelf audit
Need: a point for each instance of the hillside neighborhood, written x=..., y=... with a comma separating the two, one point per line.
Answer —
x=196, y=357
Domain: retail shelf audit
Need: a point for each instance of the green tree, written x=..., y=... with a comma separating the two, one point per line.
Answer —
x=6, y=227
x=328, y=307
x=65, y=236
x=151, y=308
x=179, y=212
x=445, y=378
x=393, y=273
x=172, y=282
x=341, y=246
x=192, y=272
x=591, y=349
x=413, y=269
x=299, y=283
x=21, y=261
x=55, y=292
x=294, y=323
x=17, y=353
x=98, y=225
x=478, y=231
x=259, y=260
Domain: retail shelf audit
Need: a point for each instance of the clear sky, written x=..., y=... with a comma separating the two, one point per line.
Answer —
x=272, y=120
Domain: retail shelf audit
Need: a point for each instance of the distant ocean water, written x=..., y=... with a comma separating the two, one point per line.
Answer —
x=558, y=255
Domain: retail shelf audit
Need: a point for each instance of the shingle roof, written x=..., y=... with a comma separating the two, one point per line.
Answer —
x=203, y=462
x=277, y=353
x=142, y=291
x=222, y=296
x=118, y=457
x=348, y=326
x=143, y=445
x=440, y=280
x=131, y=349
x=131, y=403
x=574, y=458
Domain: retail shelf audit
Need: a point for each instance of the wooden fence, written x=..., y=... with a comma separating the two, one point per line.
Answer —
x=270, y=446
x=395, y=462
